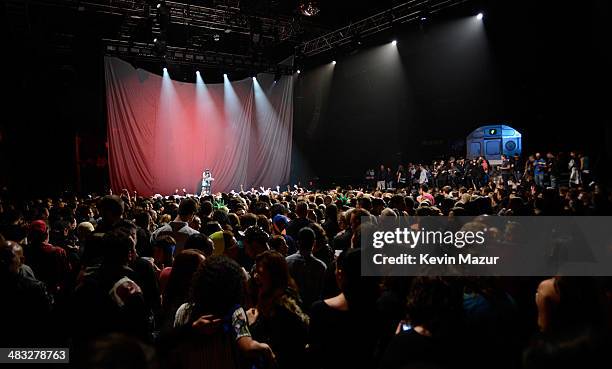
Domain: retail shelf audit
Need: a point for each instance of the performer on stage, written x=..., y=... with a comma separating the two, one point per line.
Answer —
x=206, y=183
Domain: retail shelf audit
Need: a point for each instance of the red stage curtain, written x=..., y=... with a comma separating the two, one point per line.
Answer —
x=162, y=134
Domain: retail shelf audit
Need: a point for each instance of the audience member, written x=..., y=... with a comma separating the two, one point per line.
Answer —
x=216, y=299
x=341, y=327
x=277, y=318
x=49, y=263
x=176, y=291
x=307, y=271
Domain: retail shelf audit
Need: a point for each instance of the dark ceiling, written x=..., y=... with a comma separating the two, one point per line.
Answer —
x=265, y=32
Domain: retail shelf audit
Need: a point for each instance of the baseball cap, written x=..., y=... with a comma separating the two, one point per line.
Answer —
x=38, y=226
x=279, y=218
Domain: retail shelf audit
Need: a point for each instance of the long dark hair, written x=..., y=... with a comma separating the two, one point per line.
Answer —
x=283, y=291
x=276, y=265
x=331, y=213
x=185, y=265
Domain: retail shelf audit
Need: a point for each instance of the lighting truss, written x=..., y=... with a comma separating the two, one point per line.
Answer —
x=190, y=56
x=219, y=19
x=402, y=13
x=208, y=21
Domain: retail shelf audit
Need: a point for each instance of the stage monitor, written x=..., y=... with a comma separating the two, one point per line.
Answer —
x=492, y=141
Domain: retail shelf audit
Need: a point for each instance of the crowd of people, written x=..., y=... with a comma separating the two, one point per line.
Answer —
x=553, y=170
x=265, y=279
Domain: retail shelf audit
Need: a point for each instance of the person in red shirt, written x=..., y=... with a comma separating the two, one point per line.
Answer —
x=424, y=195
x=49, y=263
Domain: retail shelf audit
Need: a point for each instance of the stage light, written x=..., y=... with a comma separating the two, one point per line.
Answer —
x=256, y=29
x=394, y=42
x=356, y=40
x=308, y=8
x=480, y=16
x=334, y=62
x=254, y=78
x=225, y=75
x=423, y=19
x=165, y=70
x=216, y=37
x=159, y=46
x=163, y=16
x=198, y=72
